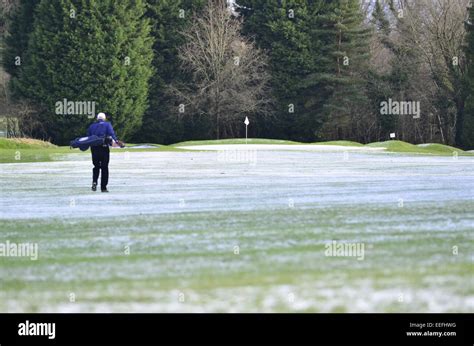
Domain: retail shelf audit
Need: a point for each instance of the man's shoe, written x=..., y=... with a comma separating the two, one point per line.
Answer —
x=104, y=190
x=94, y=186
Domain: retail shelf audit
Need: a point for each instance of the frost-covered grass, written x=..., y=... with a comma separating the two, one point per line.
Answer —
x=206, y=232
x=22, y=155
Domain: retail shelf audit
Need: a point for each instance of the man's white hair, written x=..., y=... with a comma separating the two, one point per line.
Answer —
x=101, y=116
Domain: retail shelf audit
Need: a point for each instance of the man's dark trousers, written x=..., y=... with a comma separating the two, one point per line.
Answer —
x=100, y=159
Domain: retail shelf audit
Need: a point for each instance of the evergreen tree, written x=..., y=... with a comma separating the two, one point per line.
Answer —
x=168, y=18
x=467, y=122
x=283, y=29
x=96, y=51
x=342, y=37
x=380, y=83
x=16, y=42
x=318, y=59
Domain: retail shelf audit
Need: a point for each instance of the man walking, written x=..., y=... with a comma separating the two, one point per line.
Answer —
x=101, y=154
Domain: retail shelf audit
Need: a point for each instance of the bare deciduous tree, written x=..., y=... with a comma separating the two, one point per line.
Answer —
x=229, y=77
x=429, y=36
x=436, y=29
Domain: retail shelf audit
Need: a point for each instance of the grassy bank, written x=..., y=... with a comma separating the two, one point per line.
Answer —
x=21, y=150
x=235, y=141
x=18, y=150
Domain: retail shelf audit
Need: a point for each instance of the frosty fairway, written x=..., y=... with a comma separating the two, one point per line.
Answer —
x=191, y=232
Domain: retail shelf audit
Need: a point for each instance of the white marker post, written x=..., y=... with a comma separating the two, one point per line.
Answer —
x=246, y=122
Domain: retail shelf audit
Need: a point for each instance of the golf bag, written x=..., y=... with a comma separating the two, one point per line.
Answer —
x=84, y=143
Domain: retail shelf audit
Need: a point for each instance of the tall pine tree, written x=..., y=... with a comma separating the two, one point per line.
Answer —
x=96, y=51
x=341, y=35
x=19, y=30
x=283, y=29
x=380, y=83
x=318, y=53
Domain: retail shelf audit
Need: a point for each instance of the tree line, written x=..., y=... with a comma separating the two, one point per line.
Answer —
x=307, y=70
